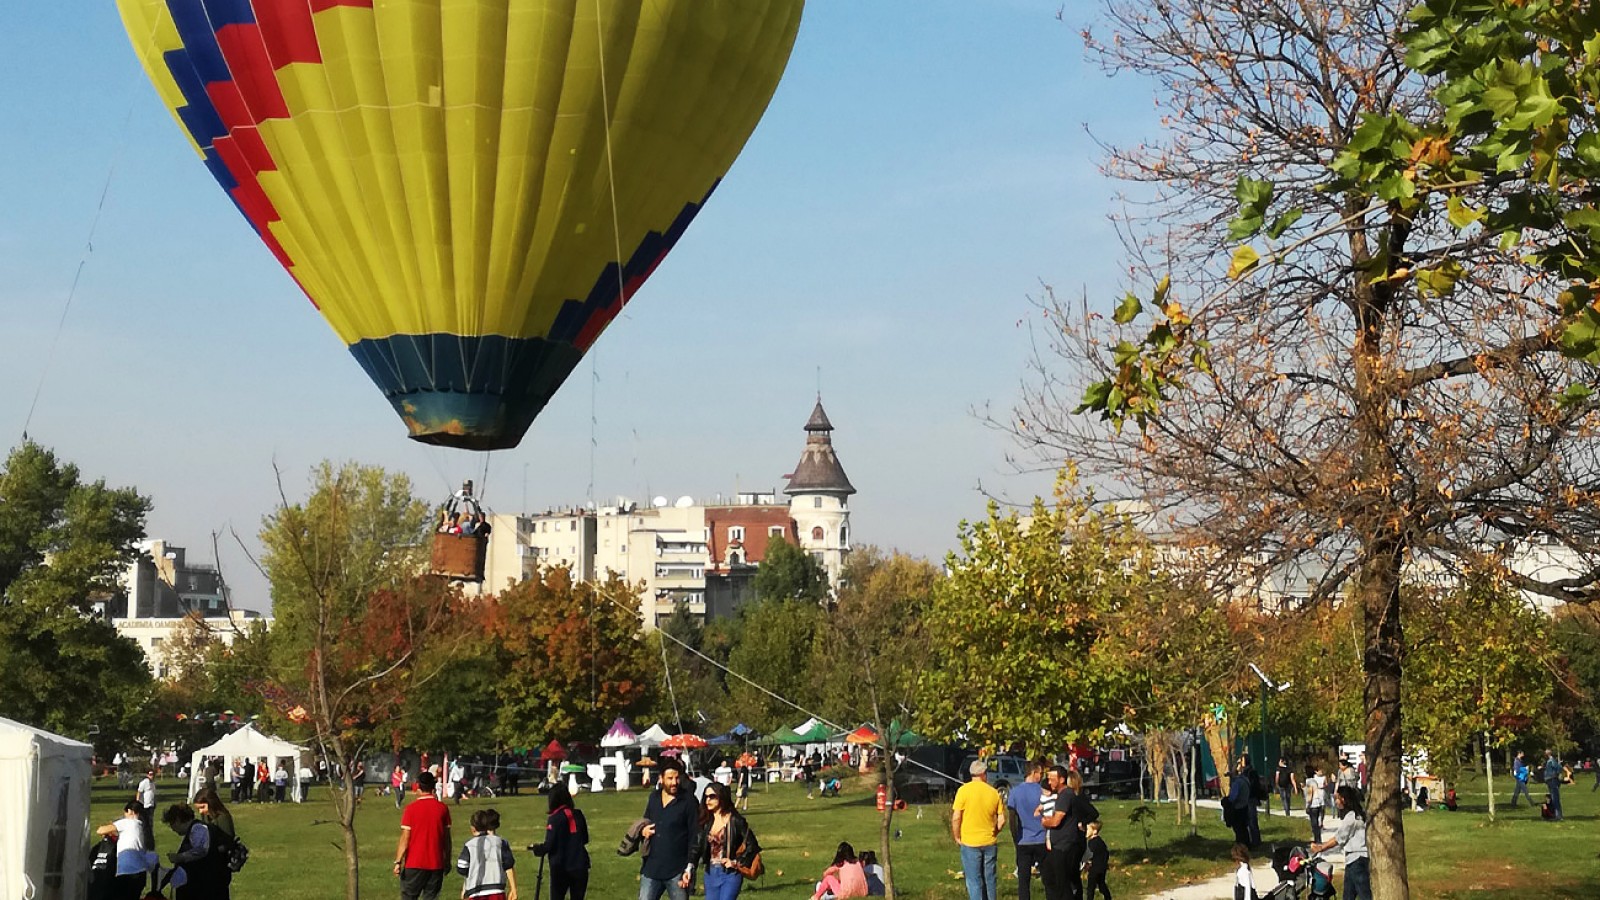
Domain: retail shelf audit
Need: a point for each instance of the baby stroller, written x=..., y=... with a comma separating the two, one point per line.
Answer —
x=1301, y=874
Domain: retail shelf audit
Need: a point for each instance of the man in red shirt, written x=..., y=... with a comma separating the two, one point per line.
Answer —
x=424, y=849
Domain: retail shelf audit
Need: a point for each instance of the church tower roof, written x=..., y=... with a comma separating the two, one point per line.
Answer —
x=819, y=471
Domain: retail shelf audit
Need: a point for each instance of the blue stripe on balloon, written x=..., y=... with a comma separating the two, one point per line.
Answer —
x=198, y=115
x=478, y=393
x=199, y=40
x=574, y=314
x=223, y=13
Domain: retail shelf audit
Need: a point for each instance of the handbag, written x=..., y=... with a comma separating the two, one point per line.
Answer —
x=754, y=870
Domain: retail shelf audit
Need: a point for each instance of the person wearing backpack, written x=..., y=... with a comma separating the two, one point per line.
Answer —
x=208, y=809
x=1519, y=780
x=204, y=866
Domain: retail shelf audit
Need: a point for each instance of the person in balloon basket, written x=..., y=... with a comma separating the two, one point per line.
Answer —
x=421, y=857
x=674, y=818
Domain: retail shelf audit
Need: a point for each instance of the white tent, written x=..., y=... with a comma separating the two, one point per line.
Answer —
x=251, y=745
x=44, y=805
x=652, y=736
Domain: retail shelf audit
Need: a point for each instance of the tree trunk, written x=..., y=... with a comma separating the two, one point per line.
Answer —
x=886, y=822
x=1488, y=777
x=344, y=803
x=1380, y=594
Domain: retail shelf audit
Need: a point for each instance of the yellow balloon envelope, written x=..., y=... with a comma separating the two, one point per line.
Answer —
x=469, y=190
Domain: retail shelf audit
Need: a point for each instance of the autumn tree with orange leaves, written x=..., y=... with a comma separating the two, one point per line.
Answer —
x=358, y=627
x=574, y=657
x=1318, y=370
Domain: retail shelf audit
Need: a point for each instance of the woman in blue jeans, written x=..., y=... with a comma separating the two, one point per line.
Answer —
x=727, y=846
x=1350, y=836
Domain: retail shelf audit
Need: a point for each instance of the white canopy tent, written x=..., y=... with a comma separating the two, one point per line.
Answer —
x=44, y=803
x=652, y=736
x=249, y=744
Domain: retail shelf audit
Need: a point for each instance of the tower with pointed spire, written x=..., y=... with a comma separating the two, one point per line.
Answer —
x=819, y=497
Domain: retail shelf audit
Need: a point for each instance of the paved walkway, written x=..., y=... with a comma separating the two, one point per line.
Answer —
x=1221, y=887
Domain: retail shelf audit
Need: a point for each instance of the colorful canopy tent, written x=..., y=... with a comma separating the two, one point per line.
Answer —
x=250, y=744
x=863, y=735
x=552, y=752
x=469, y=198
x=652, y=736
x=620, y=734
x=44, y=803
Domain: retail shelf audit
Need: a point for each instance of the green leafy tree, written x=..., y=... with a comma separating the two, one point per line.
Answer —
x=64, y=542
x=1379, y=357
x=356, y=625
x=869, y=659
x=699, y=687
x=457, y=709
x=574, y=657
x=774, y=650
x=790, y=573
x=1479, y=669
x=1014, y=635
x=1576, y=633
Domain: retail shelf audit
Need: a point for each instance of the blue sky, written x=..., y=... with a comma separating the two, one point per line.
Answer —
x=923, y=168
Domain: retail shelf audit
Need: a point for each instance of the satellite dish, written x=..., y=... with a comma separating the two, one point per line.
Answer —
x=684, y=502
x=659, y=502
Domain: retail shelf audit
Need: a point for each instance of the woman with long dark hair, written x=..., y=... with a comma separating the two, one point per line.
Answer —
x=727, y=846
x=566, y=834
x=1350, y=836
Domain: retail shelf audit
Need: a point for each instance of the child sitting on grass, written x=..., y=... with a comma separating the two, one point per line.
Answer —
x=486, y=861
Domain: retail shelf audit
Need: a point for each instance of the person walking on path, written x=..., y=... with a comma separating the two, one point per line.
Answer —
x=1519, y=779
x=674, y=822
x=566, y=838
x=1244, y=883
x=1027, y=828
x=1552, y=782
x=1350, y=836
x=486, y=861
x=1287, y=783
x=422, y=855
x=1316, y=785
x=726, y=847
x=976, y=817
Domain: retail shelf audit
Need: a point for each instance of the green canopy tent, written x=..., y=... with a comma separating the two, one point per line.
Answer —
x=784, y=735
x=818, y=733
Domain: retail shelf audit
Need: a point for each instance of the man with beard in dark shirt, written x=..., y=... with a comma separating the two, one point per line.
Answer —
x=674, y=824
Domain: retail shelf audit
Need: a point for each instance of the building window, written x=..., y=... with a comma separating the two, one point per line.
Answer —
x=735, y=558
x=816, y=502
x=736, y=532
x=816, y=533
x=774, y=531
x=844, y=535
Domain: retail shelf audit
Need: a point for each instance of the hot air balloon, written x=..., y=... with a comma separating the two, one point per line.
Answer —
x=468, y=190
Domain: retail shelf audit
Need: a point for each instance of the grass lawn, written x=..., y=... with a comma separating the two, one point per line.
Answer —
x=295, y=849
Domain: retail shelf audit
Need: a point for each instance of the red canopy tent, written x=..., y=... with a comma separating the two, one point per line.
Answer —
x=684, y=742
x=863, y=735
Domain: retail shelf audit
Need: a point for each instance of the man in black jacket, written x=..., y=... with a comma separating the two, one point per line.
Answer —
x=674, y=823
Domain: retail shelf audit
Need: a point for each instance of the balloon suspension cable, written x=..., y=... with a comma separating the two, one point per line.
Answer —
x=616, y=238
x=881, y=742
x=83, y=263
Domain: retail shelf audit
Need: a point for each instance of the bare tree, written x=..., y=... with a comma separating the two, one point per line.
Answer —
x=1331, y=413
